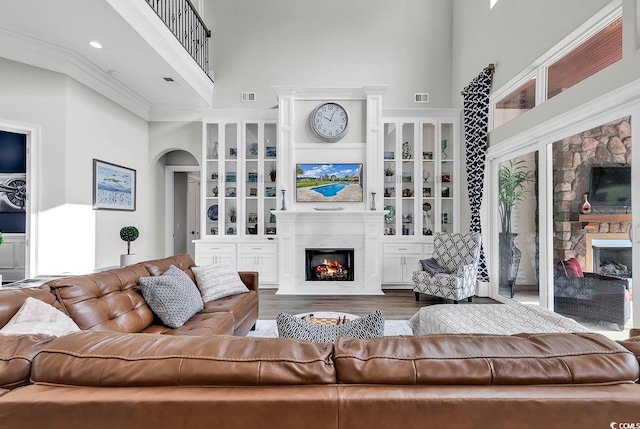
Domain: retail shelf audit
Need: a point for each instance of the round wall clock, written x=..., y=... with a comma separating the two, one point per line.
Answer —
x=329, y=121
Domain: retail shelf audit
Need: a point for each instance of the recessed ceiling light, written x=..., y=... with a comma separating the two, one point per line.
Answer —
x=96, y=45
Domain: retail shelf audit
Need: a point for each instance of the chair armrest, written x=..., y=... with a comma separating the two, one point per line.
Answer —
x=462, y=269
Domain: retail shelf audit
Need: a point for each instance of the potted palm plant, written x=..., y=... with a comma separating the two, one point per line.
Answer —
x=128, y=234
x=513, y=177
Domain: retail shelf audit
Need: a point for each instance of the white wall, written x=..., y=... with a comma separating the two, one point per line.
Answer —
x=517, y=32
x=77, y=125
x=256, y=44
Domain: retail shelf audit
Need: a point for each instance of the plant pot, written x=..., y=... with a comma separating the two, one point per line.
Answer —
x=509, y=259
x=388, y=179
x=126, y=260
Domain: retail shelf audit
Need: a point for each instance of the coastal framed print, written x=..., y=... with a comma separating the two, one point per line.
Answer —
x=114, y=186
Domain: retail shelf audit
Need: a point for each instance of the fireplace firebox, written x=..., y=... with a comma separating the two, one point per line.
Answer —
x=329, y=264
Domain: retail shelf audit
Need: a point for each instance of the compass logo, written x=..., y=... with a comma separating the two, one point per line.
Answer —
x=616, y=425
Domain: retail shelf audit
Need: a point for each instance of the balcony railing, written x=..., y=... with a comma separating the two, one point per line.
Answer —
x=185, y=23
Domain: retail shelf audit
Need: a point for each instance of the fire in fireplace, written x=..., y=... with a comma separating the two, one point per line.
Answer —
x=329, y=264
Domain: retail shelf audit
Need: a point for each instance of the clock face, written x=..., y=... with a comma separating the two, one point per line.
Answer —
x=330, y=121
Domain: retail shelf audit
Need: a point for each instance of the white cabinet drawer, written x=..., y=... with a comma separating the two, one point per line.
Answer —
x=402, y=248
x=215, y=248
x=257, y=249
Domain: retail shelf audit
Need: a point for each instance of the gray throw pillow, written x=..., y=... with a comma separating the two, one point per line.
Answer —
x=432, y=267
x=172, y=296
x=368, y=326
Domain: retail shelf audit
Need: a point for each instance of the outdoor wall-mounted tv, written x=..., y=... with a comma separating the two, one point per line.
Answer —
x=610, y=186
x=329, y=182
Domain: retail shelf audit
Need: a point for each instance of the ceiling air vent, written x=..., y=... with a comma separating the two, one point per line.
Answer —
x=421, y=97
x=168, y=79
x=248, y=96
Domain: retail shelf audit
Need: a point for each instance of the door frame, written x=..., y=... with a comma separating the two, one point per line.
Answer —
x=169, y=173
x=33, y=134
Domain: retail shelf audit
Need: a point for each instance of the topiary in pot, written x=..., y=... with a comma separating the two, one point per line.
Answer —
x=129, y=234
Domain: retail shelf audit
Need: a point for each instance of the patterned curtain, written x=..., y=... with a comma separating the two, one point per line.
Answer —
x=476, y=118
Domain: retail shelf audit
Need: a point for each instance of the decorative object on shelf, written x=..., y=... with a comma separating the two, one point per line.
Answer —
x=128, y=234
x=407, y=218
x=585, y=207
x=446, y=177
x=373, y=201
x=272, y=172
x=114, y=187
x=270, y=230
x=230, y=176
x=252, y=149
x=407, y=192
x=270, y=191
x=253, y=192
x=426, y=208
x=427, y=231
x=389, y=192
x=426, y=175
x=445, y=192
x=214, y=230
x=389, y=172
x=405, y=230
x=330, y=121
x=212, y=212
x=427, y=155
x=214, y=176
x=232, y=214
x=389, y=155
x=233, y=152
x=1, y=238
x=445, y=218
x=231, y=231
x=252, y=217
x=406, y=176
x=272, y=218
x=391, y=215
x=270, y=152
x=406, y=150
x=444, y=148
x=252, y=176
x=426, y=192
x=214, y=191
x=252, y=229
x=284, y=207
x=213, y=151
x=230, y=192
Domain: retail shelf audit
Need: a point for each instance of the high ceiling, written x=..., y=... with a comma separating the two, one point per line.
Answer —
x=138, y=52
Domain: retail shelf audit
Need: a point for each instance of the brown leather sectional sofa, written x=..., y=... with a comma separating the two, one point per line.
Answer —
x=108, y=379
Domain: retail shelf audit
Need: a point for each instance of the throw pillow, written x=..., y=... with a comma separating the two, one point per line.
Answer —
x=172, y=296
x=432, y=267
x=571, y=268
x=368, y=326
x=218, y=280
x=38, y=317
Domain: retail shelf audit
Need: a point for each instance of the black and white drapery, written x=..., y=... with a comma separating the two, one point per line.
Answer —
x=476, y=119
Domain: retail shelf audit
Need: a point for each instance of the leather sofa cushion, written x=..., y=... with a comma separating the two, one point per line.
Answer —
x=523, y=359
x=111, y=359
x=633, y=345
x=200, y=325
x=240, y=306
x=11, y=299
x=16, y=354
x=158, y=267
x=105, y=301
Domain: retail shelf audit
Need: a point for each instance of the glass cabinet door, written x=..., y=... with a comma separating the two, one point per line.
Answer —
x=427, y=196
x=212, y=175
x=408, y=178
x=389, y=156
x=252, y=177
x=231, y=179
x=447, y=177
x=268, y=174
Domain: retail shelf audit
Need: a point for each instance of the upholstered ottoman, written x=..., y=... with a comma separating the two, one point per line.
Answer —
x=500, y=319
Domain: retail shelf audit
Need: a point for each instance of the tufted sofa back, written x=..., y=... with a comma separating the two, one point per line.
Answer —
x=112, y=300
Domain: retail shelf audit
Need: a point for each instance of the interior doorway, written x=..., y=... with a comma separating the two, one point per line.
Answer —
x=182, y=203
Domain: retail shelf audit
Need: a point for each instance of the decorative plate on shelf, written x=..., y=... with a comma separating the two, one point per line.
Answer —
x=253, y=149
x=212, y=212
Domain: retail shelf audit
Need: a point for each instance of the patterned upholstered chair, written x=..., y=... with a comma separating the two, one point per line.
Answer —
x=458, y=255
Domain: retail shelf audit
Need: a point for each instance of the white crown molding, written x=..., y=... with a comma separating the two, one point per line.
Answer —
x=40, y=53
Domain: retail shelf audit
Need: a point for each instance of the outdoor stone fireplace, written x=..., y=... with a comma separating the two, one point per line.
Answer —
x=573, y=157
x=329, y=264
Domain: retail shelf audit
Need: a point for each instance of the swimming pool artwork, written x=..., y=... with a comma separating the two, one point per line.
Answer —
x=329, y=182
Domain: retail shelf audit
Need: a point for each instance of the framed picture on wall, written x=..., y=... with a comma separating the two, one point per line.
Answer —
x=114, y=186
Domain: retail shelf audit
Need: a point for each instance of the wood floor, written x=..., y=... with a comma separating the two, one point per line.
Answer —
x=396, y=304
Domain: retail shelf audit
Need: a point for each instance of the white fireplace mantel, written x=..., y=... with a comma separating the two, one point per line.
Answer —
x=357, y=229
